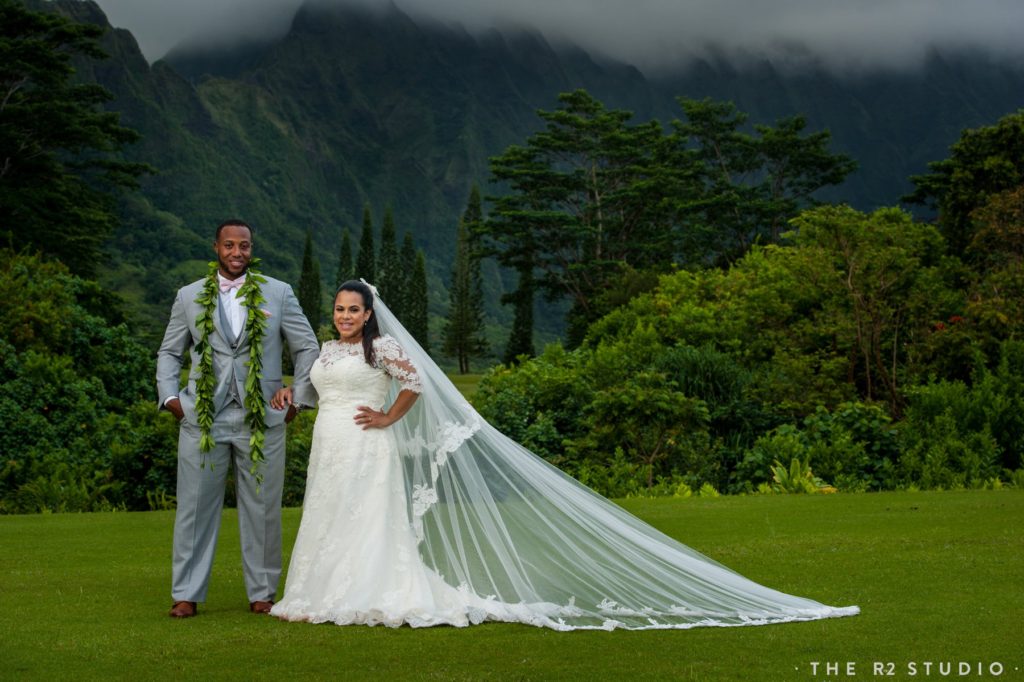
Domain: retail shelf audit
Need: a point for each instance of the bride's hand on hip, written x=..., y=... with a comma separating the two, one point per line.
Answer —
x=369, y=418
x=282, y=398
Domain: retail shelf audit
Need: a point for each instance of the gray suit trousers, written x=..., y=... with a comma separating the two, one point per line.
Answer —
x=200, y=494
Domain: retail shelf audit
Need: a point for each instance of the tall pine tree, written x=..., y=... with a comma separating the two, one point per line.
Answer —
x=390, y=277
x=416, y=320
x=520, y=340
x=407, y=257
x=346, y=268
x=463, y=334
x=309, y=285
x=366, y=261
x=60, y=161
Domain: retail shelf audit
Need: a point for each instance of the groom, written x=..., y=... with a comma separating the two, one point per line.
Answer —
x=202, y=475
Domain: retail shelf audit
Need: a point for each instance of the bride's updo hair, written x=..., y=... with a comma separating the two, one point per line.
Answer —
x=371, y=330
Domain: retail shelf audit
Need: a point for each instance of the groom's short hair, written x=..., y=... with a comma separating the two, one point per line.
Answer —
x=236, y=223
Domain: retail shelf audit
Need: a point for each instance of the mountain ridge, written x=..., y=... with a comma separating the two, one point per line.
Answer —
x=352, y=107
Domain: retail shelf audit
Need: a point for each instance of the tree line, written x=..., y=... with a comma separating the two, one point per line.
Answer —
x=400, y=276
x=725, y=332
x=849, y=350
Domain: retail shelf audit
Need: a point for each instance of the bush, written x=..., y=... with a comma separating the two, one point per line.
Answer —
x=619, y=477
x=939, y=456
x=298, y=443
x=854, y=447
x=75, y=395
x=539, y=403
x=992, y=404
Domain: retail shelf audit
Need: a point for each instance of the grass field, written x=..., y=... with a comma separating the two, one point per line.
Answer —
x=466, y=383
x=939, y=578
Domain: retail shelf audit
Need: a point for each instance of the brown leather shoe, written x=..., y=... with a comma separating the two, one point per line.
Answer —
x=183, y=609
x=261, y=606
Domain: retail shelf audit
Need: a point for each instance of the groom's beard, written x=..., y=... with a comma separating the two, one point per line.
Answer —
x=225, y=269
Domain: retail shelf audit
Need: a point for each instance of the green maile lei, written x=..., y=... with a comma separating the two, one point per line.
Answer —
x=256, y=328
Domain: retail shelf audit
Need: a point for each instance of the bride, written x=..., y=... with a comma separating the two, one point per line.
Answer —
x=424, y=514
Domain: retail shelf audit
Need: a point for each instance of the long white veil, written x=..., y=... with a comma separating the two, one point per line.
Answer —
x=526, y=543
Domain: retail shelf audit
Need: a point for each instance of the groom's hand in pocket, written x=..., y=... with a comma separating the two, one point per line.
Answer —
x=174, y=407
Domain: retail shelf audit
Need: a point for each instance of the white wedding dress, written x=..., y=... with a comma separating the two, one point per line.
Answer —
x=441, y=519
x=356, y=558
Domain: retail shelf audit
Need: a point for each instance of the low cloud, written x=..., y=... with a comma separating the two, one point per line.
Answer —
x=846, y=34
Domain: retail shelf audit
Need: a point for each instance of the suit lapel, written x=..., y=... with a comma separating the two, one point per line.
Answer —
x=243, y=335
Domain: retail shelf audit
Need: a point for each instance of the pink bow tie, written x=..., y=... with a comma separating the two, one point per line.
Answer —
x=227, y=285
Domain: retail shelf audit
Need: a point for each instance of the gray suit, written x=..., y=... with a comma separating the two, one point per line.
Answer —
x=200, y=490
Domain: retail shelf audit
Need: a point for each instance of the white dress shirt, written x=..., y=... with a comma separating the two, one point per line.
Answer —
x=233, y=307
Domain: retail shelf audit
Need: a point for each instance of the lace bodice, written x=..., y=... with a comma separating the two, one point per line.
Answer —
x=342, y=377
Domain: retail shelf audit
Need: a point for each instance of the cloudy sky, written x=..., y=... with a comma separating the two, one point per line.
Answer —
x=853, y=34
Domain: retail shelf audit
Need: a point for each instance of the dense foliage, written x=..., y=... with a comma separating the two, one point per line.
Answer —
x=850, y=356
x=983, y=163
x=593, y=197
x=58, y=161
x=725, y=333
x=80, y=429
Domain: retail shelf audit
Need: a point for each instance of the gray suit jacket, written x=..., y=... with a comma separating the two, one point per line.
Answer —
x=285, y=323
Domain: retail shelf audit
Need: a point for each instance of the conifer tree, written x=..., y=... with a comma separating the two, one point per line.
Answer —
x=366, y=261
x=346, y=268
x=309, y=285
x=60, y=163
x=407, y=257
x=463, y=335
x=520, y=340
x=390, y=276
x=416, y=320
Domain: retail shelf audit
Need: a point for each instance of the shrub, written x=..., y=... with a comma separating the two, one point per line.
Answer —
x=796, y=478
x=855, y=447
x=938, y=454
x=539, y=402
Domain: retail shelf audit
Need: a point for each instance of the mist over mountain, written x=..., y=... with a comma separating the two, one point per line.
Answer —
x=856, y=35
x=367, y=103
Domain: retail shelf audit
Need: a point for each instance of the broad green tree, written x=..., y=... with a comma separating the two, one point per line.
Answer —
x=738, y=189
x=983, y=162
x=583, y=202
x=887, y=274
x=593, y=198
x=644, y=417
x=59, y=163
x=998, y=230
x=995, y=309
x=79, y=430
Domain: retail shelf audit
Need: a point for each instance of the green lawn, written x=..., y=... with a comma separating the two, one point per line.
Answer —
x=939, y=578
x=466, y=383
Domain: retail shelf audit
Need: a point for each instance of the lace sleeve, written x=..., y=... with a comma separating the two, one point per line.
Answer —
x=392, y=359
